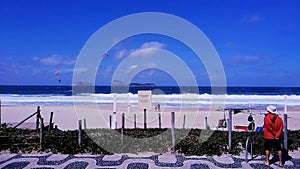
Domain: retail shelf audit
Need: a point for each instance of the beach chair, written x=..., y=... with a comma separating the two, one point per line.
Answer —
x=240, y=127
x=259, y=129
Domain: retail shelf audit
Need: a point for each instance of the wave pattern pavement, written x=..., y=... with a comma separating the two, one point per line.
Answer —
x=51, y=161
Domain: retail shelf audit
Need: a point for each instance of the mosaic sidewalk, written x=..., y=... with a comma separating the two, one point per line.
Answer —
x=51, y=161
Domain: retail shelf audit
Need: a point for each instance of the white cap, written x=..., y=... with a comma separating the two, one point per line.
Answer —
x=272, y=109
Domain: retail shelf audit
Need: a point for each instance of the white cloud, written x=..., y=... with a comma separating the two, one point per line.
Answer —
x=151, y=47
x=151, y=64
x=143, y=52
x=72, y=70
x=133, y=67
x=127, y=70
x=120, y=54
x=253, y=18
x=55, y=60
x=35, y=58
x=244, y=59
x=250, y=61
x=106, y=71
x=78, y=70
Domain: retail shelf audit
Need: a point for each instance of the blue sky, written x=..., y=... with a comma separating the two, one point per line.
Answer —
x=258, y=41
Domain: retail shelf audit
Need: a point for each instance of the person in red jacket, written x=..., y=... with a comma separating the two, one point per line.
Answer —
x=273, y=128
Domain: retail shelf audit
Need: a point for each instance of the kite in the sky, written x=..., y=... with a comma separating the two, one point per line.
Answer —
x=56, y=74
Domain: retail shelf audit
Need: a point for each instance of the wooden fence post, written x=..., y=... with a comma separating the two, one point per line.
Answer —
x=123, y=127
x=229, y=130
x=159, y=120
x=79, y=132
x=173, y=130
x=145, y=118
x=285, y=133
x=38, y=116
x=84, y=123
x=134, y=121
x=115, y=120
x=123, y=120
x=110, y=121
x=206, y=124
x=42, y=135
x=183, y=125
x=50, y=122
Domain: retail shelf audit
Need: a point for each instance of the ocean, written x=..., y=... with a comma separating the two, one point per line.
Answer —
x=169, y=96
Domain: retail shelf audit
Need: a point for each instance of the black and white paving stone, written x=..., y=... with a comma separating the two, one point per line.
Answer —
x=52, y=161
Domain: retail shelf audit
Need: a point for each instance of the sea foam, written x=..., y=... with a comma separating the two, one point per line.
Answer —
x=168, y=100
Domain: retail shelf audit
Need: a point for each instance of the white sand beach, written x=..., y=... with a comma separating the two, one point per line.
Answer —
x=66, y=117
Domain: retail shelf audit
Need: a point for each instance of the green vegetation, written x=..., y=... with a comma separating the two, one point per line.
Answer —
x=189, y=142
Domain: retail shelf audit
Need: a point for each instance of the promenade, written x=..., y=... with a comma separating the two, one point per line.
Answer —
x=136, y=161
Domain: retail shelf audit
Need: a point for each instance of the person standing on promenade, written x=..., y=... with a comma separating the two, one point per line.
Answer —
x=273, y=128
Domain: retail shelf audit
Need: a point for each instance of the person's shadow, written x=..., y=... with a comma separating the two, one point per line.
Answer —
x=285, y=157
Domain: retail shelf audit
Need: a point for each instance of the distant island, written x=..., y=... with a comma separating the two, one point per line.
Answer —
x=81, y=83
x=142, y=84
x=119, y=83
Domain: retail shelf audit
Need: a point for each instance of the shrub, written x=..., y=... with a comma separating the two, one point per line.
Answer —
x=189, y=142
